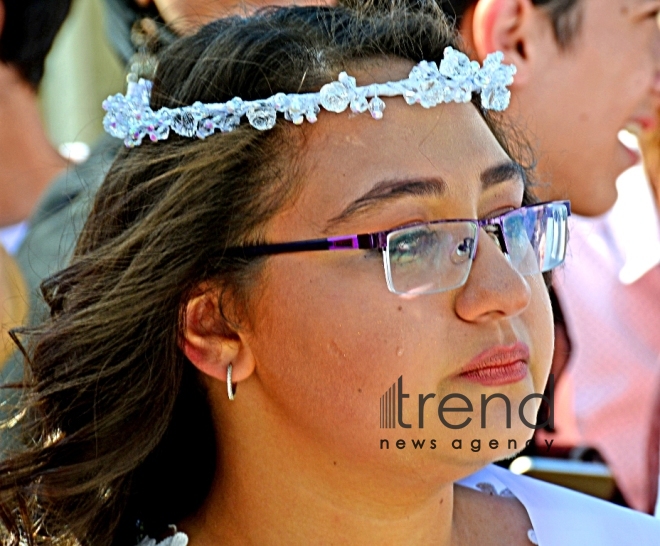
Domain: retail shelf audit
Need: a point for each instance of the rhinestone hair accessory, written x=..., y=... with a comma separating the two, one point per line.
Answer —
x=130, y=117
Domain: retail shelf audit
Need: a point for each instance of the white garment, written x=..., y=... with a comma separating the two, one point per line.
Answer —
x=560, y=517
x=11, y=237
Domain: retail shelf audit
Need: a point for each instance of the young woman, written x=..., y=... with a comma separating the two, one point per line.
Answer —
x=265, y=315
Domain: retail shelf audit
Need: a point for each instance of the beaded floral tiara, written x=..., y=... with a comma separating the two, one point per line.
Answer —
x=130, y=117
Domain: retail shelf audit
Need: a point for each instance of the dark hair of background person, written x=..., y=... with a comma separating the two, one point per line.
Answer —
x=120, y=17
x=28, y=33
x=565, y=15
x=117, y=433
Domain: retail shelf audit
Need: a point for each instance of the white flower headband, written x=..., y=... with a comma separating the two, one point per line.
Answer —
x=130, y=117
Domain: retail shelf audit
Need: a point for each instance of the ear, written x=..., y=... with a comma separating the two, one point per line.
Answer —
x=210, y=343
x=506, y=26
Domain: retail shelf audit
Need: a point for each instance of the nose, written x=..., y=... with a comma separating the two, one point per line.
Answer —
x=494, y=289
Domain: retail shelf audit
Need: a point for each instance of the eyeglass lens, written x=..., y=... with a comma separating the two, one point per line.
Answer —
x=436, y=257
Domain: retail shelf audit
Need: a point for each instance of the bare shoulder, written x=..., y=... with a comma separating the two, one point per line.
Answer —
x=484, y=517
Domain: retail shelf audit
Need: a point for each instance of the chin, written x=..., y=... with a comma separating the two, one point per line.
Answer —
x=591, y=187
x=598, y=201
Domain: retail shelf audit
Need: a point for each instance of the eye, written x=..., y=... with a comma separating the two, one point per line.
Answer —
x=413, y=244
x=648, y=10
x=654, y=15
x=493, y=233
x=465, y=247
x=463, y=250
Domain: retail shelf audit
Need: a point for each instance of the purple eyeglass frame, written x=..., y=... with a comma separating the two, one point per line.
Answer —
x=378, y=239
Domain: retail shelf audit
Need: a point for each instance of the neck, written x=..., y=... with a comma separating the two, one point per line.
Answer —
x=296, y=489
x=28, y=161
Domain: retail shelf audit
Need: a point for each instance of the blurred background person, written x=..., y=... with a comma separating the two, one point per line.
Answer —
x=584, y=74
x=28, y=160
x=610, y=291
x=53, y=227
x=133, y=28
x=649, y=142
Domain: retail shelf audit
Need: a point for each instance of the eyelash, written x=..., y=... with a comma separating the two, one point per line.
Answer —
x=500, y=211
x=655, y=14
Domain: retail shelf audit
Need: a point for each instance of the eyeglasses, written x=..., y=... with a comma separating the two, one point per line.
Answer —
x=437, y=256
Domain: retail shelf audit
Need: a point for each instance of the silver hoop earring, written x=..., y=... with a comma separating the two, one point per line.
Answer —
x=230, y=390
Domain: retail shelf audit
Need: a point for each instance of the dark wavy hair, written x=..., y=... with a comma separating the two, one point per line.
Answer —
x=116, y=432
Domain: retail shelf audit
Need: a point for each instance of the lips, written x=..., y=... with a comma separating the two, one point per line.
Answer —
x=639, y=124
x=635, y=127
x=499, y=365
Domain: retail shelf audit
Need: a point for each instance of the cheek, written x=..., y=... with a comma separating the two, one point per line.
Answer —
x=328, y=341
x=611, y=78
x=331, y=341
x=540, y=325
x=634, y=65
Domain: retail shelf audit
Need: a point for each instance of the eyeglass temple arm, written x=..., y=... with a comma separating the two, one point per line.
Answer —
x=346, y=242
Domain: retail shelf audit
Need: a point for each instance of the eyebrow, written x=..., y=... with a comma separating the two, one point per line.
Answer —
x=388, y=190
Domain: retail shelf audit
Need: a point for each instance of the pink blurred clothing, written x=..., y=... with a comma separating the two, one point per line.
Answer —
x=609, y=290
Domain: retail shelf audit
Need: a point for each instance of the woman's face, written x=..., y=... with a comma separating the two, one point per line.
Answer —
x=328, y=337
